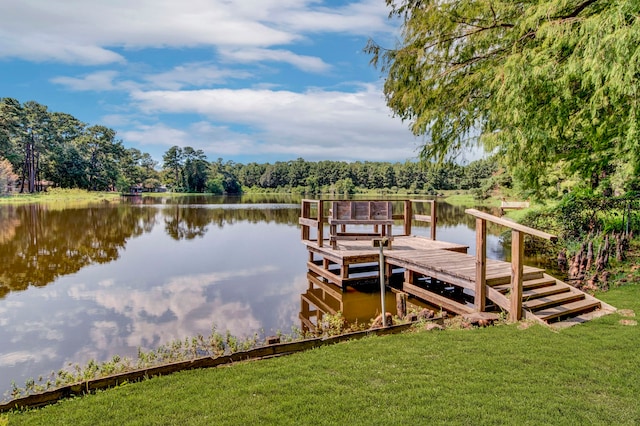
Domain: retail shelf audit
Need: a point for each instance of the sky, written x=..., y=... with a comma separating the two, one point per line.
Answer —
x=243, y=80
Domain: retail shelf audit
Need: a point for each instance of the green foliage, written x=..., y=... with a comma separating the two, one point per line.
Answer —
x=7, y=177
x=56, y=147
x=215, y=185
x=339, y=177
x=539, y=83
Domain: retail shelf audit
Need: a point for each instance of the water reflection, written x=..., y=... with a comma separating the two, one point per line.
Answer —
x=39, y=243
x=357, y=305
x=88, y=282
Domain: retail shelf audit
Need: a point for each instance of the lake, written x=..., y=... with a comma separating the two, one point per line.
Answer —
x=88, y=281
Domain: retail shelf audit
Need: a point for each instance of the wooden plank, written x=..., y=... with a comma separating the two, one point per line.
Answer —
x=336, y=279
x=327, y=287
x=446, y=303
x=545, y=291
x=517, y=270
x=511, y=224
x=570, y=308
x=529, y=284
x=360, y=221
x=481, y=265
x=528, y=274
x=422, y=218
x=308, y=222
x=554, y=299
x=318, y=302
x=499, y=299
x=408, y=209
x=434, y=220
x=505, y=205
x=306, y=322
x=321, y=220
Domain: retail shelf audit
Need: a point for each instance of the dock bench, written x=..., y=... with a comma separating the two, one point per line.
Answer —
x=376, y=213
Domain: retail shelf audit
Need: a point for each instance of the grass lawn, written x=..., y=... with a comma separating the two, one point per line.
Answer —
x=58, y=195
x=587, y=374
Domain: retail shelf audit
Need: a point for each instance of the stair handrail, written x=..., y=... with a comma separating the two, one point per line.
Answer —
x=517, y=255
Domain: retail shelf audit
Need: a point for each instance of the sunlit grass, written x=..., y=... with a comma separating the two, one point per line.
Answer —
x=587, y=374
x=56, y=195
x=468, y=200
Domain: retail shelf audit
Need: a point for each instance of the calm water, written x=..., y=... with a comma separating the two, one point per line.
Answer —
x=88, y=282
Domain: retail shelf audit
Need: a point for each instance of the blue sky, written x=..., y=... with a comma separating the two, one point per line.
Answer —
x=244, y=80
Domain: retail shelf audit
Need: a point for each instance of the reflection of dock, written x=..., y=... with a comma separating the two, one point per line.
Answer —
x=519, y=290
x=355, y=306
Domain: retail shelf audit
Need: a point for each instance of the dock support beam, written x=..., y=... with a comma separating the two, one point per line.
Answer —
x=481, y=265
x=517, y=255
x=408, y=216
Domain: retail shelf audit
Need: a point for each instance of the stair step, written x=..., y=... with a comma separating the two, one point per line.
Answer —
x=552, y=299
x=533, y=293
x=579, y=319
x=569, y=308
x=528, y=284
x=532, y=275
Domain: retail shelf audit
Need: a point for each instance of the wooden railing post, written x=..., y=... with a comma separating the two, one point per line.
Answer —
x=408, y=217
x=517, y=255
x=481, y=265
x=306, y=213
x=320, y=222
x=433, y=220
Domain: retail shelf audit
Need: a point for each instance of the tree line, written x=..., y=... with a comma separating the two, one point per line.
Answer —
x=39, y=148
x=43, y=146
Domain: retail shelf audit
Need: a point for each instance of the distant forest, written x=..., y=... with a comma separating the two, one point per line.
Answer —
x=44, y=149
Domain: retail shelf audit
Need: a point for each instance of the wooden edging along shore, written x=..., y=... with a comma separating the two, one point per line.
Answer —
x=263, y=352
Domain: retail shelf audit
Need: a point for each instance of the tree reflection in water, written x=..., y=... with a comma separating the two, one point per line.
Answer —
x=91, y=281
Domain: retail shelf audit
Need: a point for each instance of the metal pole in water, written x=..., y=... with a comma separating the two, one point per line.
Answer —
x=381, y=243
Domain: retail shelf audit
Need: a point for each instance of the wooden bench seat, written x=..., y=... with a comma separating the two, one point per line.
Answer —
x=379, y=214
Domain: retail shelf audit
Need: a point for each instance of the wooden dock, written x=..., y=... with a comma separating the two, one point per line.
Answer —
x=427, y=266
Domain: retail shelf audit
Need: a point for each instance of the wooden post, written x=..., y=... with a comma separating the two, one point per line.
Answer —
x=382, y=286
x=306, y=212
x=433, y=220
x=408, y=216
x=409, y=276
x=517, y=255
x=481, y=265
x=401, y=304
x=320, y=222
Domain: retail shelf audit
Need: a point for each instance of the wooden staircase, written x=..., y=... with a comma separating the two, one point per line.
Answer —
x=552, y=302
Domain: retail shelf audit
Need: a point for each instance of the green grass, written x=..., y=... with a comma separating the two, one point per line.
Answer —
x=58, y=195
x=587, y=374
x=466, y=199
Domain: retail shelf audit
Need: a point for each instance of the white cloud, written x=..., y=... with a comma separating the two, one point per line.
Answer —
x=200, y=135
x=187, y=75
x=302, y=62
x=19, y=357
x=317, y=124
x=181, y=298
x=363, y=18
x=194, y=74
x=99, y=81
x=80, y=31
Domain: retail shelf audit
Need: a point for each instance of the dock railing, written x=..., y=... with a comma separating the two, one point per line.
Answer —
x=312, y=217
x=307, y=220
x=517, y=255
x=409, y=216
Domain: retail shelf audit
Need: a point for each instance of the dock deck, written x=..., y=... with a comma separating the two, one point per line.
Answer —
x=521, y=291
